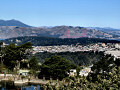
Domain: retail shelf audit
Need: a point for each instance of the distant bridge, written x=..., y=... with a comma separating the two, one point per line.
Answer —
x=77, y=36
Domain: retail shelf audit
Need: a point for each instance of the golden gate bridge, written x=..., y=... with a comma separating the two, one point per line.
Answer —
x=83, y=34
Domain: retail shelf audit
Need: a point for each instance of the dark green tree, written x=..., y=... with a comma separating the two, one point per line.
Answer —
x=78, y=70
x=14, y=54
x=33, y=63
x=56, y=67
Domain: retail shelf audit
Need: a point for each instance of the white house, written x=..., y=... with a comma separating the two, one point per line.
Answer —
x=85, y=71
x=23, y=72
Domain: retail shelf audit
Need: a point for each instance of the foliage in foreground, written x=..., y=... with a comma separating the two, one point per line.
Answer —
x=12, y=54
x=105, y=75
x=56, y=67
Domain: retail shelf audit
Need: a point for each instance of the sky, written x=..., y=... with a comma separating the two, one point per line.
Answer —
x=85, y=13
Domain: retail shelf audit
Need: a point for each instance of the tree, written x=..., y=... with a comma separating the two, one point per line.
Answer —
x=14, y=54
x=106, y=73
x=33, y=63
x=108, y=80
x=56, y=67
x=78, y=70
x=2, y=53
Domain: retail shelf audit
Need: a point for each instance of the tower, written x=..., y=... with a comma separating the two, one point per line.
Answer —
x=84, y=33
x=67, y=34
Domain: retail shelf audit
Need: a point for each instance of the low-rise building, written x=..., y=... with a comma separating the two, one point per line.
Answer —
x=85, y=71
x=23, y=72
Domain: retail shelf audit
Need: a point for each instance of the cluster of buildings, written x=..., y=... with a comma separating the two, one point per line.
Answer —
x=61, y=48
x=76, y=48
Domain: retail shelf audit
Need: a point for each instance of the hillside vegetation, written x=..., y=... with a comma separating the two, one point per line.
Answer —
x=48, y=41
x=78, y=58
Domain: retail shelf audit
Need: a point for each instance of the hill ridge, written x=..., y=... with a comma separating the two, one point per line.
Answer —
x=12, y=22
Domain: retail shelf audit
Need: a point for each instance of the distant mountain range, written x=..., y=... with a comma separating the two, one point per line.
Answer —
x=14, y=28
x=12, y=23
x=108, y=30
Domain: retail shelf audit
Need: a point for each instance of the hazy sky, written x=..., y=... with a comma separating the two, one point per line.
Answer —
x=101, y=13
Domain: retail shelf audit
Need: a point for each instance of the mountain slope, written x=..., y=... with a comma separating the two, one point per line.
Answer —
x=57, y=31
x=12, y=23
x=108, y=30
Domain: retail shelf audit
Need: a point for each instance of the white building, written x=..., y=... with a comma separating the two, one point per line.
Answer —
x=23, y=72
x=117, y=46
x=85, y=71
x=115, y=53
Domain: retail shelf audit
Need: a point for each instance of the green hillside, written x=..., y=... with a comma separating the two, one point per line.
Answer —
x=49, y=41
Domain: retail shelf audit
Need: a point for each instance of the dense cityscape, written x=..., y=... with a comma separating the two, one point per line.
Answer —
x=76, y=48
